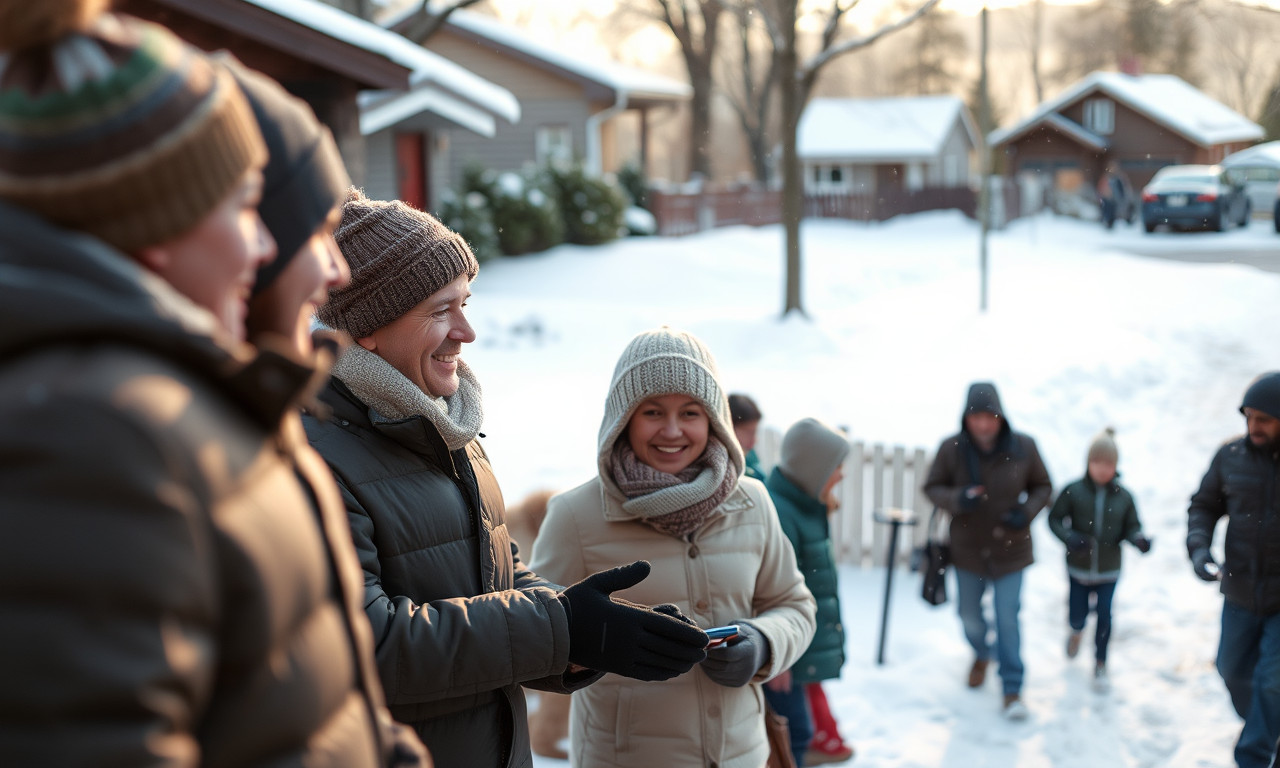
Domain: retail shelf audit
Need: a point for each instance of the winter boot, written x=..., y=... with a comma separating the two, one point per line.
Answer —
x=1101, y=683
x=1014, y=709
x=1073, y=644
x=826, y=745
x=978, y=673
x=829, y=751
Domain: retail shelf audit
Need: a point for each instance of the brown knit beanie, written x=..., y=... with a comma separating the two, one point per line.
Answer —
x=398, y=255
x=1103, y=447
x=112, y=126
x=665, y=362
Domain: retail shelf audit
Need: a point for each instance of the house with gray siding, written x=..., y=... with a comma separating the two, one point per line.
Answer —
x=569, y=104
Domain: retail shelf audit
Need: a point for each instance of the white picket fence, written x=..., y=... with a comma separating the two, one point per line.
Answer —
x=876, y=478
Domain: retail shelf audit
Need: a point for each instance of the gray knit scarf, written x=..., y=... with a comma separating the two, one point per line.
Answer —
x=673, y=504
x=392, y=396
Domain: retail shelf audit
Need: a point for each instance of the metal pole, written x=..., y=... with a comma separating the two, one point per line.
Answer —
x=888, y=587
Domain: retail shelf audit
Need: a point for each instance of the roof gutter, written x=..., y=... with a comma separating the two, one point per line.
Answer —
x=595, y=153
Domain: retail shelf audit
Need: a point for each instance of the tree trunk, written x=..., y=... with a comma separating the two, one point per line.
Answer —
x=792, y=183
x=700, y=114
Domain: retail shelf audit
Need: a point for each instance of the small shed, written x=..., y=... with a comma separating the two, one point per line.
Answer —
x=877, y=146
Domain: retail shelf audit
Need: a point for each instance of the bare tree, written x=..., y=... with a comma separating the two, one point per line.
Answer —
x=695, y=24
x=749, y=81
x=796, y=78
x=427, y=18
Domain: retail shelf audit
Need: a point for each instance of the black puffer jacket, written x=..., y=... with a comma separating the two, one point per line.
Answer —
x=459, y=622
x=1242, y=484
x=168, y=595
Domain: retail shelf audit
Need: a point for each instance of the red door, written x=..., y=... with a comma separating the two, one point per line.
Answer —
x=411, y=169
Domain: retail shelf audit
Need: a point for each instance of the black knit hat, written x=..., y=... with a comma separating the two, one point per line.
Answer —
x=304, y=179
x=1264, y=394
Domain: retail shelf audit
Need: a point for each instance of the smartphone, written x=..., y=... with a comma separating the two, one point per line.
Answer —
x=719, y=635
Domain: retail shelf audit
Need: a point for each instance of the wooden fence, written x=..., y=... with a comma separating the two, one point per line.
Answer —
x=686, y=213
x=876, y=477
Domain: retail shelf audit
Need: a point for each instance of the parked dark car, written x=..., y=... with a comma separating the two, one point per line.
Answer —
x=1194, y=197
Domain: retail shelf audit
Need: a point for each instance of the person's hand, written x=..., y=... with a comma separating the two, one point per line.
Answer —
x=1204, y=565
x=1078, y=542
x=1142, y=543
x=970, y=496
x=734, y=663
x=1016, y=518
x=781, y=683
x=613, y=635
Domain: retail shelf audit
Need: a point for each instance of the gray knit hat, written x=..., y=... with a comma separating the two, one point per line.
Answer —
x=398, y=256
x=665, y=362
x=1104, y=448
x=811, y=451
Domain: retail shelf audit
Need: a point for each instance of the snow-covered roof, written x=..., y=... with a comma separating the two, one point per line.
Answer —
x=383, y=109
x=630, y=81
x=1265, y=155
x=881, y=130
x=1166, y=99
x=428, y=68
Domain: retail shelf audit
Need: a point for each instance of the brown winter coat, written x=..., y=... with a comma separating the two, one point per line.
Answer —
x=738, y=565
x=168, y=594
x=1013, y=475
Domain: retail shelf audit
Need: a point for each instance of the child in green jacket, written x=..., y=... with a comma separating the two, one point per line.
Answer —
x=1092, y=516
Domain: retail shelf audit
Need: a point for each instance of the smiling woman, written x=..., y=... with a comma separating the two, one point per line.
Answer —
x=670, y=489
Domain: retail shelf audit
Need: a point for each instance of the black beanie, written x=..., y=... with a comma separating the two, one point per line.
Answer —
x=304, y=179
x=1264, y=395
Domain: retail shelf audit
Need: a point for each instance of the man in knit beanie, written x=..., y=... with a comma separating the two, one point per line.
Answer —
x=168, y=593
x=461, y=623
x=810, y=466
x=993, y=482
x=1240, y=486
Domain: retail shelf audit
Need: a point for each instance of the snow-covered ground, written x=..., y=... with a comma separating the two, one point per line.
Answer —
x=1078, y=335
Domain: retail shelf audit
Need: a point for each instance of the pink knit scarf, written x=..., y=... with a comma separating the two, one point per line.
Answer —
x=673, y=504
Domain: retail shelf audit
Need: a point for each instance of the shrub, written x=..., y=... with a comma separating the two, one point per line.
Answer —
x=525, y=215
x=592, y=207
x=470, y=217
x=631, y=179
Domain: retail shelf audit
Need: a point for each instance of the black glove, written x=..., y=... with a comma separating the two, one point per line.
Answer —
x=1078, y=542
x=735, y=662
x=1142, y=543
x=969, y=497
x=1015, y=518
x=1204, y=564
x=613, y=635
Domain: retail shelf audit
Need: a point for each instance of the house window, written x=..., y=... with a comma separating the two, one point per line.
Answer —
x=837, y=176
x=554, y=143
x=1100, y=116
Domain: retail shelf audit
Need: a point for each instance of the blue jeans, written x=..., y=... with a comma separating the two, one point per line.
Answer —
x=1007, y=592
x=1078, y=611
x=794, y=706
x=1249, y=662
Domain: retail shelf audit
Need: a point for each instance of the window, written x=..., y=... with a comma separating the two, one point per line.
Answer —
x=554, y=143
x=837, y=175
x=1100, y=116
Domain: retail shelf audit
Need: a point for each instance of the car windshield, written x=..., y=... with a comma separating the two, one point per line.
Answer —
x=1187, y=179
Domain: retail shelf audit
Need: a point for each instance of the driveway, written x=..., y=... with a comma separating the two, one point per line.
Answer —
x=1257, y=245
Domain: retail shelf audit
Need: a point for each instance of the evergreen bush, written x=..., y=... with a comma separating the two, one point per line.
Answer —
x=592, y=208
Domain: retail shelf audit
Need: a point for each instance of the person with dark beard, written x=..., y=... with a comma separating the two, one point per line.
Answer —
x=1241, y=485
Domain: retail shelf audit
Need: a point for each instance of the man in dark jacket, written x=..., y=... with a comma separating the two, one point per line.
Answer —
x=460, y=623
x=1242, y=485
x=993, y=482
x=168, y=594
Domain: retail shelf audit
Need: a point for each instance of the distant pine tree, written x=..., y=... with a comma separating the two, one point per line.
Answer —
x=1270, y=117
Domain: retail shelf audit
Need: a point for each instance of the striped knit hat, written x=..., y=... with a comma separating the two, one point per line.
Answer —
x=112, y=126
x=398, y=255
x=665, y=361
